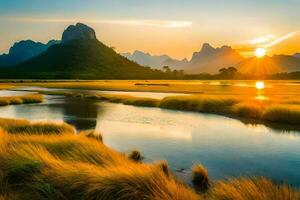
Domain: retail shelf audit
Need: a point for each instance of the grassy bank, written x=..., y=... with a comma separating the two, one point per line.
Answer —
x=280, y=110
x=24, y=99
x=63, y=165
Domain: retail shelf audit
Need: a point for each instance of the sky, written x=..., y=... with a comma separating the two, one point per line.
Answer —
x=174, y=27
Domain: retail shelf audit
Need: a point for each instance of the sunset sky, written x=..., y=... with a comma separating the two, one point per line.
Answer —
x=173, y=27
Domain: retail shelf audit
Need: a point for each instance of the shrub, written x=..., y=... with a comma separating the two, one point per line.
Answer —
x=200, y=177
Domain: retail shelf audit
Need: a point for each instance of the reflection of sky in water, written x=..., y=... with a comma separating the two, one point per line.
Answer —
x=227, y=147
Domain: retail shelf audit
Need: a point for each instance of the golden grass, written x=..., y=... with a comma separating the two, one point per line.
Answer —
x=13, y=126
x=69, y=166
x=6, y=86
x=282, y=113
x=24, y=99
x=278, y=110
x=198, y=103
x=249, y=189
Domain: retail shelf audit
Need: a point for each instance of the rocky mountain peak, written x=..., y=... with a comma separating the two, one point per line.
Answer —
x=78, y=31
x=206, y=47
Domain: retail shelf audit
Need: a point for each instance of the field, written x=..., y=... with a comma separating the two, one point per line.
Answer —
x=50, y=161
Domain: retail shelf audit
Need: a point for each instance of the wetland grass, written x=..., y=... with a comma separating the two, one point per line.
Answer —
x=24, y=99
x=39, y=165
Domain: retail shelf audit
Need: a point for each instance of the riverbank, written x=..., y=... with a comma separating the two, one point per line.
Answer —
x=280, y=110
x=23, y=99
x=59, y=164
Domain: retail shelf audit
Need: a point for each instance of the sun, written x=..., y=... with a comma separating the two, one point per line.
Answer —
x=260, y=85
x=260, y=52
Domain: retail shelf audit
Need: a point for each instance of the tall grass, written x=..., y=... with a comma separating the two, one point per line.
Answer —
x=249, y=189
x=67, y=166
x=13, y=126
x=14, y=100
x=198, y=103
x=282, y=113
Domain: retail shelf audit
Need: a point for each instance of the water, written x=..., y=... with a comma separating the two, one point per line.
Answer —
x=227, y=147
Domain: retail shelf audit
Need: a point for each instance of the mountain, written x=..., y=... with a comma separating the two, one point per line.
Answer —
x=24, y=50
x=297, y=55
x=80, y=56
x=269, y=65
x=78, y=32
x=210, y=59
x=158, y=62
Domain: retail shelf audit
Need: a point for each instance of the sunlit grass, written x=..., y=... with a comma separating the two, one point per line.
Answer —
x=24, y=99
x=26, y=127
x=249, y=189
x=279, y=110
x=69, y=166
x=39, y=165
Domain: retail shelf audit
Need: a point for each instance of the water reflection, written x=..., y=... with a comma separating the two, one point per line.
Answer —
x=80, y=112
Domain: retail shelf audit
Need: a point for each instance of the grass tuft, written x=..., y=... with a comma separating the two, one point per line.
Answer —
x=200, y=177
x=136, y=156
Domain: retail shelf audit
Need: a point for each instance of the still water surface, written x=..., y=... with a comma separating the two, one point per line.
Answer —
x=227, y=147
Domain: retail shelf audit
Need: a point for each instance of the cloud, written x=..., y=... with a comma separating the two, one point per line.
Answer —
x=152, y=23
x=262, y=39
x=270, y=40
x=281, y=39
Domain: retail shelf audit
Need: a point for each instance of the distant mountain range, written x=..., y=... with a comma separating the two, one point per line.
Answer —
x=211, y=60
x=24, y=50
x=79, y=55
x=147, y=59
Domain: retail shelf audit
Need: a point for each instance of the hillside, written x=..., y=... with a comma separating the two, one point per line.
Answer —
x=80, y=56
